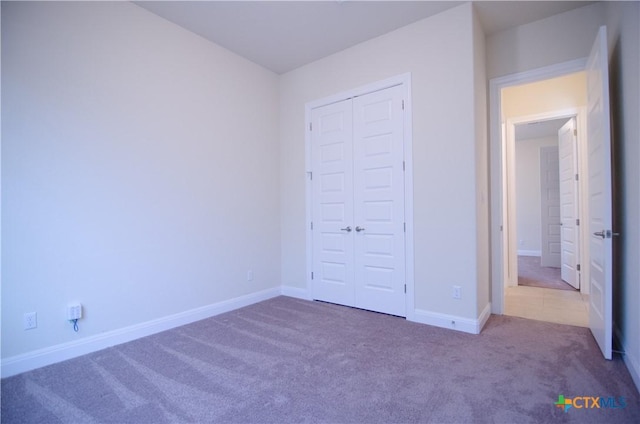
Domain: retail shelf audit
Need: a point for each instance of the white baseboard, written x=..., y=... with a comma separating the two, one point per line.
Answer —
x=529, y=253
x=630, y=360
x=467, y=325
x=295, y=292
x=484, y=317
x=51, y=355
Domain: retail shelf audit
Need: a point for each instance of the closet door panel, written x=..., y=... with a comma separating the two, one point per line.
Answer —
x=378, y=181
x=332, y=203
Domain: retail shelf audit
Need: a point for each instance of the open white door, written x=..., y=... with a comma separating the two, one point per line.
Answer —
x=568, y=203
x=599, y=194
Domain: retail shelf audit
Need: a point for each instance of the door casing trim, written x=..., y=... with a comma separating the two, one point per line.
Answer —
x=496, y=159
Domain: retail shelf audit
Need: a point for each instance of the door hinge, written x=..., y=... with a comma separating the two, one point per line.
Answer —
x=578, y=267
x=403, y=105
x=311, y=175
x=310, y=126
x=577, y=177
x=578, y=221
x=312, y=275
x=312, y=225
x=404, y=227
x=575, y=131
x=404, y=166
x=405, y=288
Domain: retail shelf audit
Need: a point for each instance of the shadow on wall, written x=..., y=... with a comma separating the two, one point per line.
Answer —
x=619, y=184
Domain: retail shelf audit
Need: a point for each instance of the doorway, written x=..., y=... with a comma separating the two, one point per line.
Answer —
x=529, y=104
x=597, y=232
x=544, y=280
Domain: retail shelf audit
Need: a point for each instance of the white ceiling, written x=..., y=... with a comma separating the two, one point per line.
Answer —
x=284, y=35
x=540, y=129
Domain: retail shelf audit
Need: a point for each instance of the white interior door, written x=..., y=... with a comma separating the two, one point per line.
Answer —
x=357, y=211
x=599, y=194
x=379, y=201
x=567, y=143
x=550, y=207
x=332, y=206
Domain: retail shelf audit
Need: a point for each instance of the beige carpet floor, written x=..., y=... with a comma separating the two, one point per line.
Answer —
x=293, y=361
x=532, y=274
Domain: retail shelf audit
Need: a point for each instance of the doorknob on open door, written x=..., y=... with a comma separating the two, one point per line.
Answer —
x=358, y=229
x=606, y=234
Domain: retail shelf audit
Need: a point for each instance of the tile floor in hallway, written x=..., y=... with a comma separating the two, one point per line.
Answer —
x=559, y=306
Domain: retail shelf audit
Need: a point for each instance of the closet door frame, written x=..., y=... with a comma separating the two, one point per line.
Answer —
x=403, y=80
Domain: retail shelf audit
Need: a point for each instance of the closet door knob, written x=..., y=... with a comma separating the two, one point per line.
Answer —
x=348, y=229
x=358, y=229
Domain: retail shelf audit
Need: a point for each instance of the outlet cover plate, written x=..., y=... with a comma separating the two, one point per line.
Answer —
x=74, y=311
x=456, y=292
x=30, y=320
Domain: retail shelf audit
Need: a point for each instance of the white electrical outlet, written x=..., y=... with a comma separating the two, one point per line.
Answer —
x=74, y=311
x=456, y=292
x=30, y=320
x=250, y=275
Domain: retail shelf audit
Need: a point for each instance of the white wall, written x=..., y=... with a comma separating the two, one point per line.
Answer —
x=555, y=94
x=623, y=24
x=438, y=52
x=483, y=245
x=560, y=38
x=140, y=171
x=528, y=197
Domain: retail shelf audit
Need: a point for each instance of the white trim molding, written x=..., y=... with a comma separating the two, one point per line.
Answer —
x=53, y=354
x=630, y=360
x=452, y=322
x=633, y=365
x=296, y=292
x=529, y=252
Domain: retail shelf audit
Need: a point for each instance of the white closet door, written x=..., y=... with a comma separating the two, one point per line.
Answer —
x=332, y=204
x=379, y=201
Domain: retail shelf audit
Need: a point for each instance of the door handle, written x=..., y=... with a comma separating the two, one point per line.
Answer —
x=348, y=229
x=358, y=229
x=606, y=234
